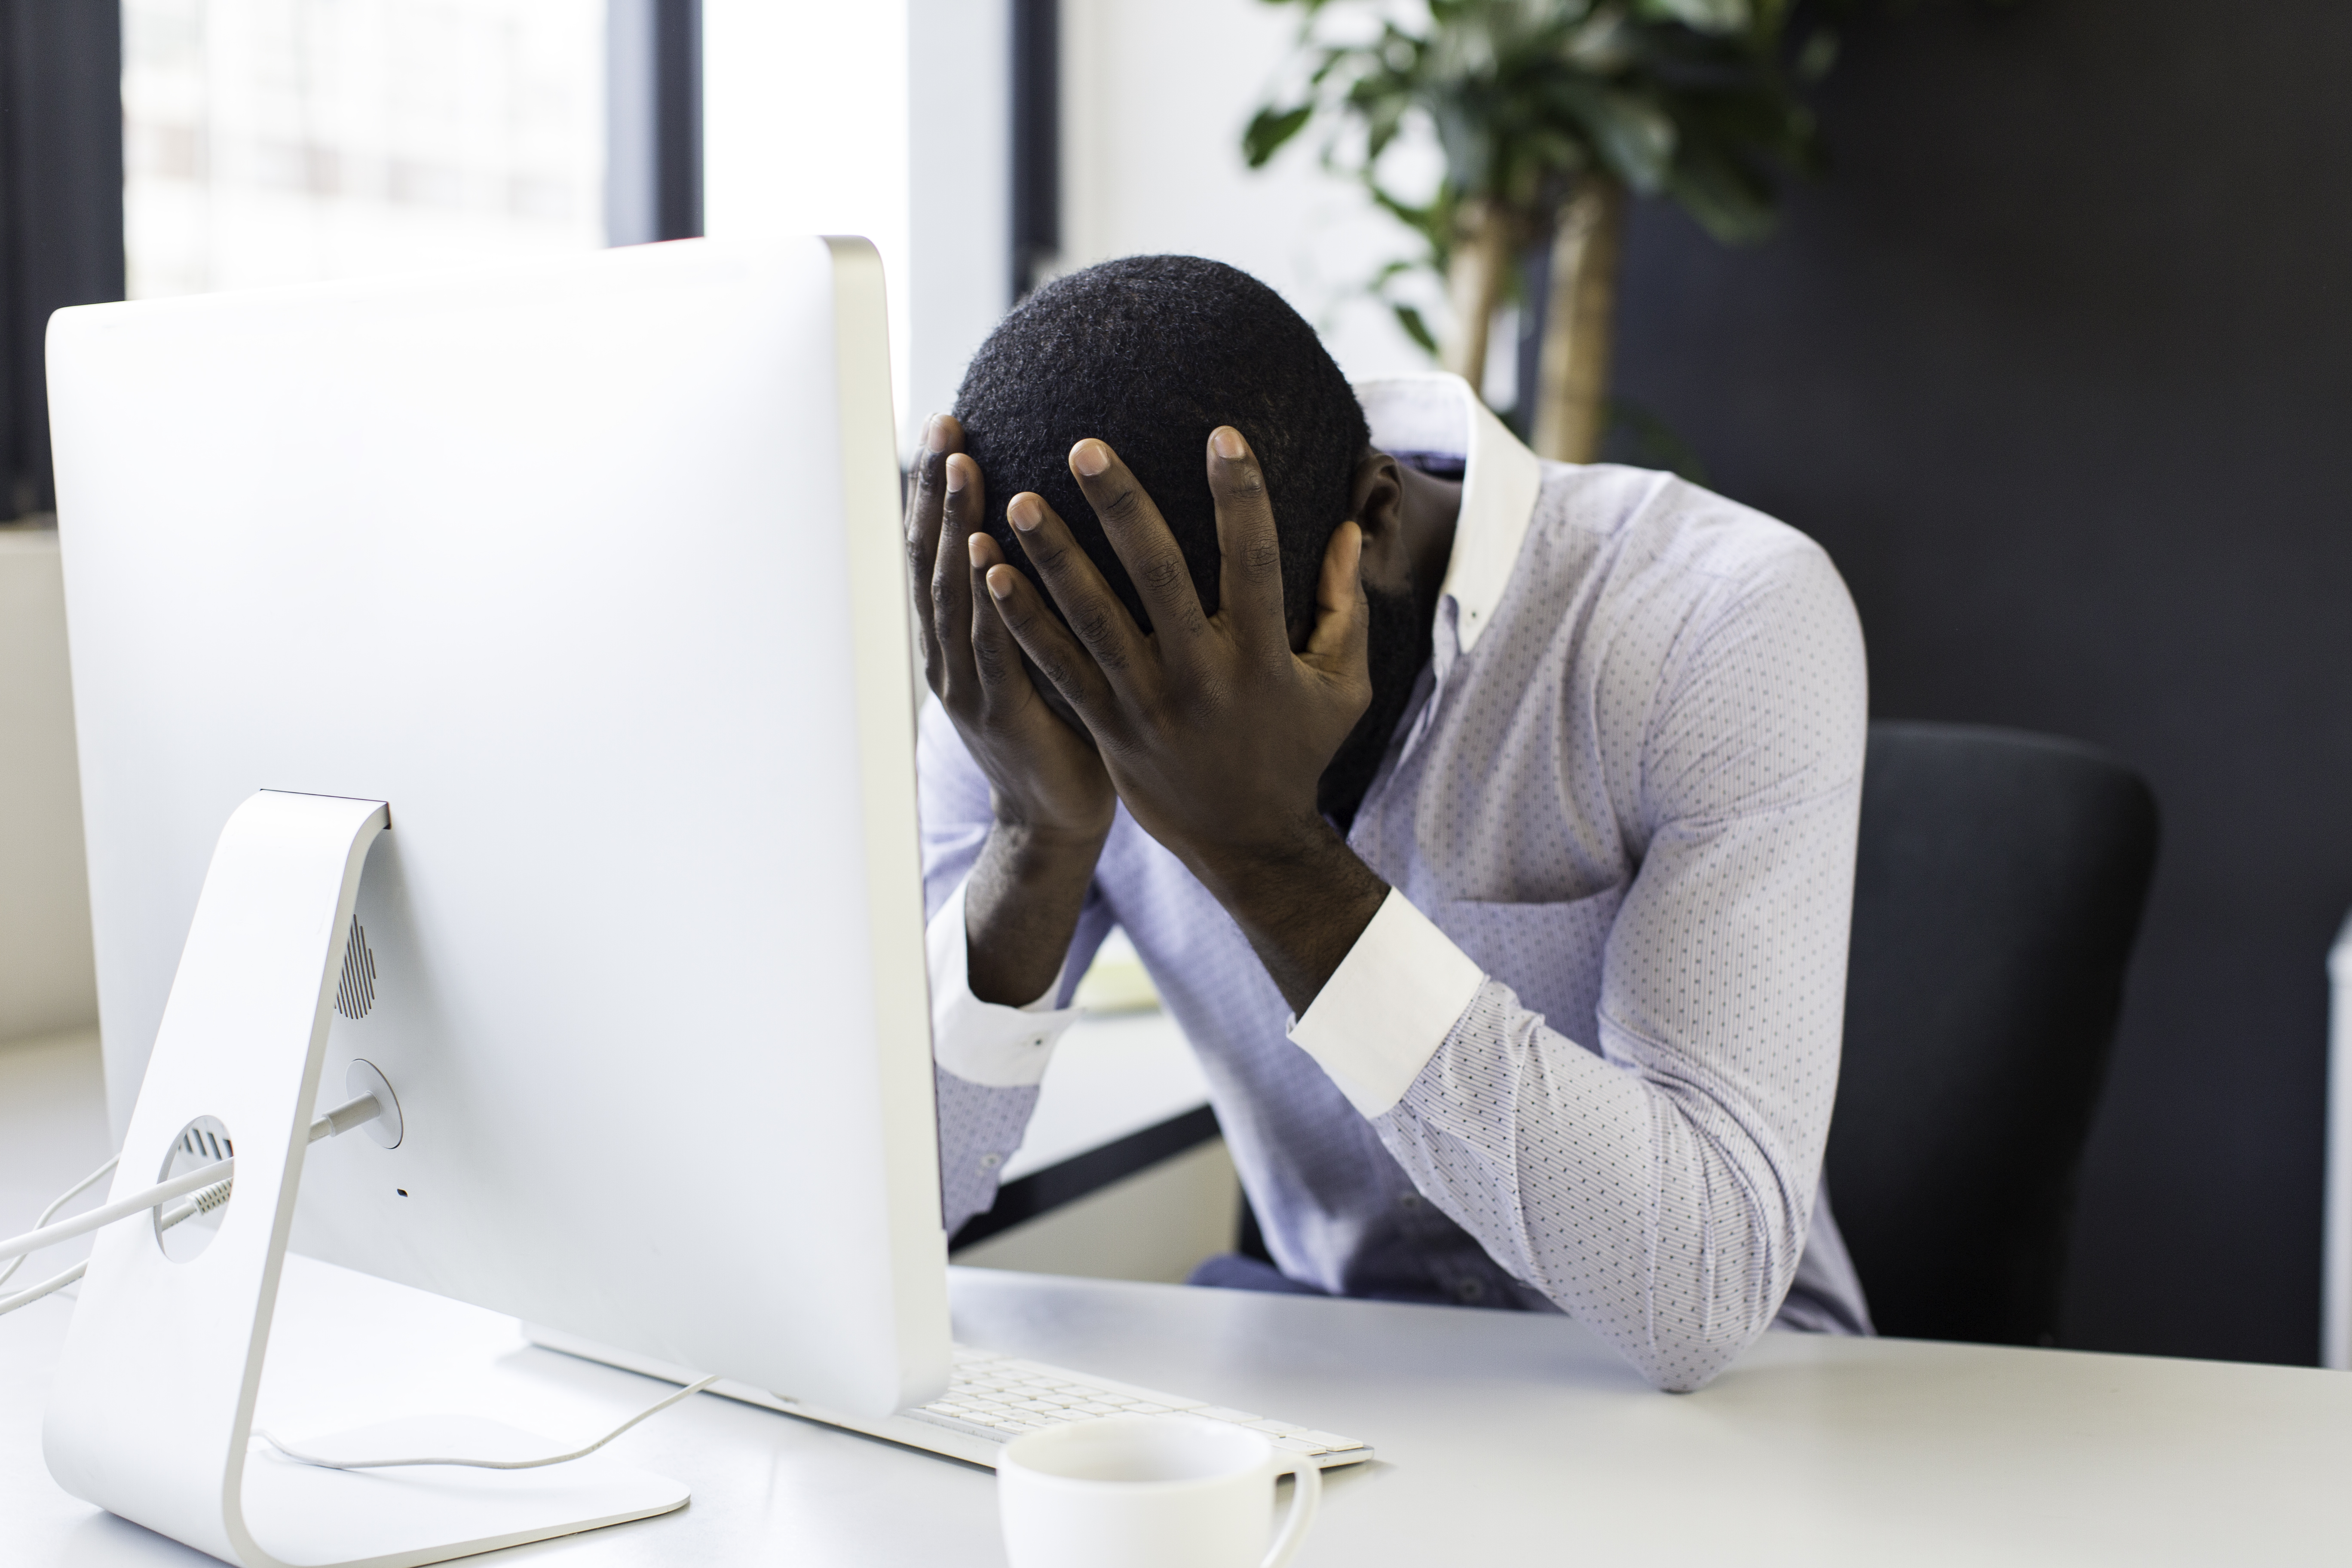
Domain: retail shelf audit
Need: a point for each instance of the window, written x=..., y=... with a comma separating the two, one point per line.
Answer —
x=285, y=140
x=203, y=144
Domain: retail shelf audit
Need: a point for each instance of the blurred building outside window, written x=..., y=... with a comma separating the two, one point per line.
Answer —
x=269, y=141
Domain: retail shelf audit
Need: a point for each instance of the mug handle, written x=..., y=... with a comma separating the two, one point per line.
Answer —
x=1306, y=1497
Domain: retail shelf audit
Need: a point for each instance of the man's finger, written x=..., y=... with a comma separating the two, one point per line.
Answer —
x=1096, y=618
x=941, y=436
x=1250, y=578
x=996, y=657
x=1338, y=646
x=1070, y=669
x=952, y=593
x=1139, y=534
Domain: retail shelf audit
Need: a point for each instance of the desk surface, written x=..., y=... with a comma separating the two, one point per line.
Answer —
x=1501, y=1434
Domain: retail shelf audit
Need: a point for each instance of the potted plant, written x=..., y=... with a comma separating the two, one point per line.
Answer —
x=1551, y=114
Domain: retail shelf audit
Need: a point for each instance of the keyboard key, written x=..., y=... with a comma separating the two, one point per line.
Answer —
x=1219, y=1413
x=1332, y=1440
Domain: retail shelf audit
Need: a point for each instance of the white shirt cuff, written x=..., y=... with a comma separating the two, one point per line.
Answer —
x=1387, y=1007
x=984, y=1042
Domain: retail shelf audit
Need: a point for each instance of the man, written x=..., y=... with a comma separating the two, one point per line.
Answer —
x=1486, y=824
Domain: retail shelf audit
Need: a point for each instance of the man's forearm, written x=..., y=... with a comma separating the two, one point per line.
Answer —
x=1302, y=907
x=1021, y=910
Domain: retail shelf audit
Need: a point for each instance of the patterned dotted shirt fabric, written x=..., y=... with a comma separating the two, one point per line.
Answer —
x=1633, y=804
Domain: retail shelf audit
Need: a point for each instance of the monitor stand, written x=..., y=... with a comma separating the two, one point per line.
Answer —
x=150, y=1417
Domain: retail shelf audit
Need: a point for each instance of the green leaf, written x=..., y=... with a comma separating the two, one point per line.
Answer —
x=1633, y=132
x=1270, y=128
x=1416, y=329
x=1731, y=200
x=1817, y=55
x=1717, y=16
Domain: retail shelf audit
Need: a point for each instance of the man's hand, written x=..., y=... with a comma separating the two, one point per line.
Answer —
x=1216, y=731
x=1052, y=799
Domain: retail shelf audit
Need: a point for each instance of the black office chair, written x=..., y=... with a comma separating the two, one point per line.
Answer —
x=1996, y=899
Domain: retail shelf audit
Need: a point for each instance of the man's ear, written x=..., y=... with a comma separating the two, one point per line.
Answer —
x=1376, y=500
x=1376, y=505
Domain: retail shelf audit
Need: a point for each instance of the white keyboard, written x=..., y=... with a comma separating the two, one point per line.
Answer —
x=992, y=1399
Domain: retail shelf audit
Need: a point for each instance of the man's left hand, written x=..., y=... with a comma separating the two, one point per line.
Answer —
x=1214, y=730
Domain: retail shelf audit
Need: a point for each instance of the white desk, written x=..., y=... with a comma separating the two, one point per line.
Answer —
x=1501, y=1436
x=1113, y=1074
x=1505, y=1439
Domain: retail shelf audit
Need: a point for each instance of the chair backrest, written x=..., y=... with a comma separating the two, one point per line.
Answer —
x=1997, y=895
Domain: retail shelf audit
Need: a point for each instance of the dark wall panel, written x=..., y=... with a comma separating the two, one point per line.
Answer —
x=2057, y=363
x=60, y=208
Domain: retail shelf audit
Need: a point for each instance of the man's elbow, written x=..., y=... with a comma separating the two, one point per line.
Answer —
x=1685, y=1364
x=1681, y=1351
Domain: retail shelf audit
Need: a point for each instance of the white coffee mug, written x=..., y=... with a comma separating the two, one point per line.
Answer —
x=1149, y=1491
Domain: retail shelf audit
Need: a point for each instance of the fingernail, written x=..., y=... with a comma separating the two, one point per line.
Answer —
x=1090, y=457
x=935, y=434
x=1024, y=512
x=976, y=547
x=1227, y=443
x=954, y=475
x=1000, y=583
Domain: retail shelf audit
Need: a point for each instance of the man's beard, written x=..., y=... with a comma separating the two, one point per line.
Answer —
x=1397, y=646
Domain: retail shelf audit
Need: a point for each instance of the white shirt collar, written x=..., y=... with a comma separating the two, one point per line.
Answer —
x=1439, y=413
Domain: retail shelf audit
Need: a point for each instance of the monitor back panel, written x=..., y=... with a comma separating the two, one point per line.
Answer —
x=590, y=570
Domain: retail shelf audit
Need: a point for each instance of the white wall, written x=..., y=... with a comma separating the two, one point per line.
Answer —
x=805, y=130
x=1155, y=97
x=891, y=119
x=45, y=982
x=961, y=185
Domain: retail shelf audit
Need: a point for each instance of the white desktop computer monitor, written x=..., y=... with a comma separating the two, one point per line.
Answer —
x=590, y=570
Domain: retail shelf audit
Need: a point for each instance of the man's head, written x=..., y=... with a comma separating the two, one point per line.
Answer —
x=1150, y=354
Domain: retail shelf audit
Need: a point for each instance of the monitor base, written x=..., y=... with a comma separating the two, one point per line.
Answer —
x=151, y=1413
x=308, y=1517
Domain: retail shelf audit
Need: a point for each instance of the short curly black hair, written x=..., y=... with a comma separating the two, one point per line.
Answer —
x=1150, y=354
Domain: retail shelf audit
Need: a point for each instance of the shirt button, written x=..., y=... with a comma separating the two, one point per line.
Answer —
x=1037, y=1043
x=1470, y=1289
x=1411, y=1200
x=989, y=1161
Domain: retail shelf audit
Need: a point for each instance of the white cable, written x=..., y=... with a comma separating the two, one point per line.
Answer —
x=344, y=1116
x=211, y=1198
x=83, y=1223
x=211, y=1184
x=654, y=1409
x=211, y=1187
x=32, y=1293
x=50, y=1213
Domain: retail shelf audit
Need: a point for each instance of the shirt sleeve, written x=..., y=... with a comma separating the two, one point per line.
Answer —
x=1658, y=1183
x=986, y=1043
x=987, y=1058
x=1387, y=1007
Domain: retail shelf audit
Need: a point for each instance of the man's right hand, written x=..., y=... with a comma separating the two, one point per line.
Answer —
x=1052, y=799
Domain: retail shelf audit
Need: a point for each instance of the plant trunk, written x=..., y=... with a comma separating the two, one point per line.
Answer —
x=1473, y=286
x=1573, y=367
